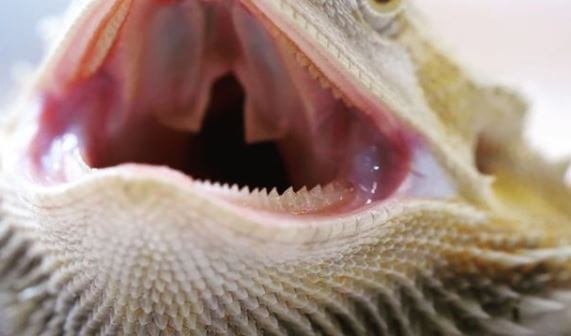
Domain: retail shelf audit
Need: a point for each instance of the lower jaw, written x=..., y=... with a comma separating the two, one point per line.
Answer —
x=360, y=176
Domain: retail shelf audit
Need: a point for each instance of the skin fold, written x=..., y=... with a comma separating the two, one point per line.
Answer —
x=137, y=250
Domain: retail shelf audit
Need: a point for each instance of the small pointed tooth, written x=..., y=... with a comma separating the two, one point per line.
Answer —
x=289, y=191
x=317, y=197
x=316, y=190
x=304, y=200
x=261, y=197
x=314, y=72
x=288, y=198
x=268, y=201
x=274, y=193
x=263, y=194
x=256, y=197
x=274, y=199
x=302, y=60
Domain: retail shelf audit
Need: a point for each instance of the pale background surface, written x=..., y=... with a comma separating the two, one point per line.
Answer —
x=525, y=42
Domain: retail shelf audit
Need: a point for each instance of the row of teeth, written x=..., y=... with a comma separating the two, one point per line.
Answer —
x=314, y=72
x=303, y=201
x=297, y=202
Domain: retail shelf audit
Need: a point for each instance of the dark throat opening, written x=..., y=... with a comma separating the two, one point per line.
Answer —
x=219, y=153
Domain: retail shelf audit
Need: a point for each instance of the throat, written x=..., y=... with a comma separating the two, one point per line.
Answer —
x=221, y=153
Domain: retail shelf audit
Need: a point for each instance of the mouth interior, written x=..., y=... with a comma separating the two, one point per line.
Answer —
x=218, y=152
x=217, y=97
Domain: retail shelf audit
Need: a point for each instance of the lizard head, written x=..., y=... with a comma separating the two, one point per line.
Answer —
x=179, y=165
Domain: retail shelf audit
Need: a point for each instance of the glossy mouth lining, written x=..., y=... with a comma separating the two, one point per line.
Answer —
x=214, y=95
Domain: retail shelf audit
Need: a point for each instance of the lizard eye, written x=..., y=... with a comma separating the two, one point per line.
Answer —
x=380, y=13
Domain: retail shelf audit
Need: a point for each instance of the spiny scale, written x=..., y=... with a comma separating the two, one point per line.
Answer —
x=151, y=273
x=125, y=254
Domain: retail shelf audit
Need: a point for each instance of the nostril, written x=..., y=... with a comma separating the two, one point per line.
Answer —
x=482, y=156
x=485, y=155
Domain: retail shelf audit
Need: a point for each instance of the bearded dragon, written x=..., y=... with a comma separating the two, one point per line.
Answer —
x=273, y=167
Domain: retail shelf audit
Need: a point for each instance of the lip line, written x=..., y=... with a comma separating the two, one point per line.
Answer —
x=123, y=177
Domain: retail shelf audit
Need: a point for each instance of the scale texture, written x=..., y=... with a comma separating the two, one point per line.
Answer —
x=126, y=253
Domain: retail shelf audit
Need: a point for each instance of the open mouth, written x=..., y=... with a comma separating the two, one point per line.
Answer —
x=204, y=88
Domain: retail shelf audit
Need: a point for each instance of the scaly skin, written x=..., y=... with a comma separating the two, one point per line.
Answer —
x=129, y=251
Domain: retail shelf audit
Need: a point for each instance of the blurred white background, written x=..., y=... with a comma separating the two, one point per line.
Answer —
x=523, y=43
x=526, y=43
x=19, y=36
